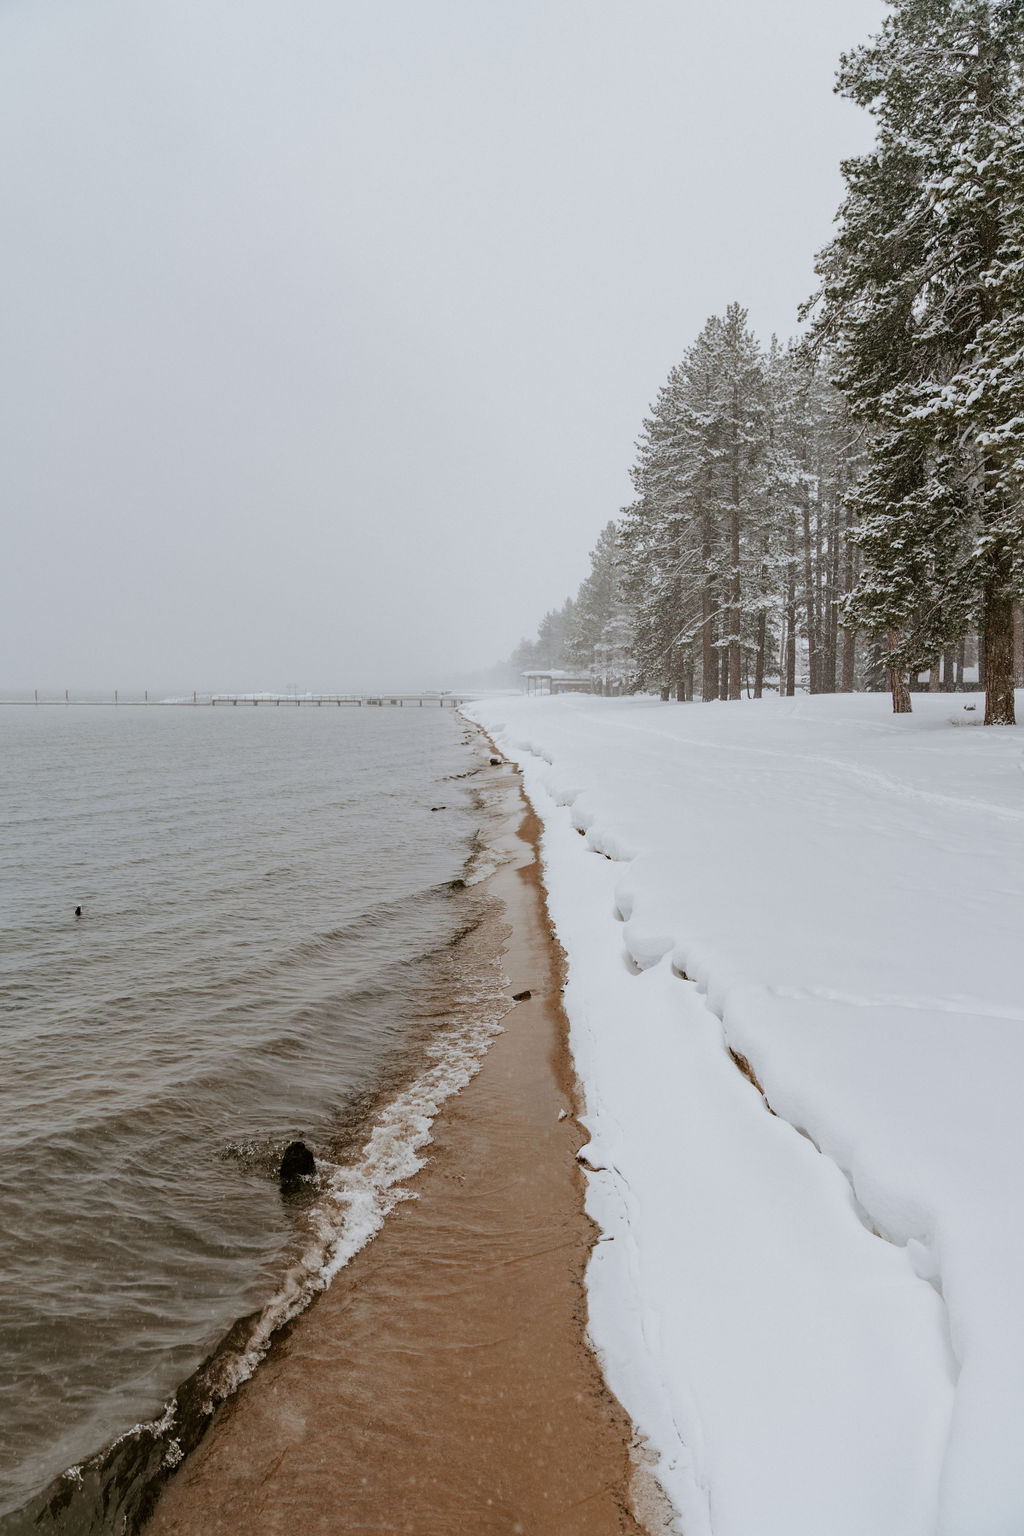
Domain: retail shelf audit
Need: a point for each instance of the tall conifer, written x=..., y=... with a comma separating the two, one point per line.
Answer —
x=694, y=541
x=921, y=301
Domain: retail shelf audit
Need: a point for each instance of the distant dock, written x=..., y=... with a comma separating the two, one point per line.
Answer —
x=318, y=700
x=377, y=699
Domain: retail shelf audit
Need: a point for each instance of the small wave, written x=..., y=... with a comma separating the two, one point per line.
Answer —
x=382, y=918
x=115, y=1491
x=433, y=1025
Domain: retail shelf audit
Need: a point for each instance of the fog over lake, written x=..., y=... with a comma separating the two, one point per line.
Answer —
x=329, y=328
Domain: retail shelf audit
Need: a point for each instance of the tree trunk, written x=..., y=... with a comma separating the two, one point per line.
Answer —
x=997, y=593
x=782, y=655
x=681, y=670
x=828, y=605
x=999, y=707
x=791, y=613
x=709, y=654
x=849, y=635
x=935, y=676
x=734, y=616
x=723, y=676
x=821, y=638
x=1018, y=646
x=835, y=542
x=849, y=660
x=762, y=635
x=961, y=662
x=901, y=704
x=812, y=656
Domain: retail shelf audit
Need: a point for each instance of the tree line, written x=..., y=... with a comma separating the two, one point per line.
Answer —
x=847, y=511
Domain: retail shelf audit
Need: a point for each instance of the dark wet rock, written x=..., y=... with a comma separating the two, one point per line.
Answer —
x=457, y=885
x=78, y=911
x=520, y=997
x=438, y=807
x=495, y=762
x=298, y=1163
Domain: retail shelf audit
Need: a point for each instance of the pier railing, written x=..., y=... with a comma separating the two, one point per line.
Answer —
x=378, y=699
x=319, y=700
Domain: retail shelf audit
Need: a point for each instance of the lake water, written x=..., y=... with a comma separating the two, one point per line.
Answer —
x=273, y=944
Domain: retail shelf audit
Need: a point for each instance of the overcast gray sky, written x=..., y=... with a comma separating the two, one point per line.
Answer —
x=328, y=326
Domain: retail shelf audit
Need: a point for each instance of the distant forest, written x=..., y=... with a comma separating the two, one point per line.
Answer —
x=847, y=511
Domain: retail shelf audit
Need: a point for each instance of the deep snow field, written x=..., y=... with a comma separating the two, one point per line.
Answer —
x=816, y=1315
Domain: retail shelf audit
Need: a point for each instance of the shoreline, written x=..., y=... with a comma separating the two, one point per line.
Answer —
x=401, y=1400
x=363, y=1163
x=449, y=1018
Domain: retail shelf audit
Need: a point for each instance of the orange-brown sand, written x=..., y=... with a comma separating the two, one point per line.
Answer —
x=443, y=1386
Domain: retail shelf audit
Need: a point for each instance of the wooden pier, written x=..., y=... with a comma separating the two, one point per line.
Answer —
x=340, y=699
x=317, y=700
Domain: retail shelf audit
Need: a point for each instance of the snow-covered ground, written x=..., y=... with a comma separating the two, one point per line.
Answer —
x=816, y=1315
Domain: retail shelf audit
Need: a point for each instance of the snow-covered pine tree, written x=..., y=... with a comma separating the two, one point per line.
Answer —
x=815, y=460
x=549, y=649
x=743, y=437
x=553, y=634
x=672, y=590
x=695, y=541
x=921, y=301
x=598, y=634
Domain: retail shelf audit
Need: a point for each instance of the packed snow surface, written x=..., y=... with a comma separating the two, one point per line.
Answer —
x=816, y=1315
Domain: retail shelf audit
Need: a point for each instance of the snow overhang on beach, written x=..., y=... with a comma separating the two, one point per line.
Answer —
x=792, y=929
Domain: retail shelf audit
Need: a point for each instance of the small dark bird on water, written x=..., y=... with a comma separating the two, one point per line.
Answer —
x=78, y=911
x=298, y=1163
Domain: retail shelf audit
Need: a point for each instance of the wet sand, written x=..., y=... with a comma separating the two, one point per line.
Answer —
x=443, y=1385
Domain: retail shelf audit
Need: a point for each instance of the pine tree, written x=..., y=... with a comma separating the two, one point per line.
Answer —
x=695, y=541
x=816, y=460
x=598, y=633
x=550, y=649
x=552, y=636
x=661, y=576
x=922, y=291
x=743, y=436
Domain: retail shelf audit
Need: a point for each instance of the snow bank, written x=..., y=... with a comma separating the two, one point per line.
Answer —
x=815, y=1315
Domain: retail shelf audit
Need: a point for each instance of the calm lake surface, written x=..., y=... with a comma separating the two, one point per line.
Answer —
x=269, y=943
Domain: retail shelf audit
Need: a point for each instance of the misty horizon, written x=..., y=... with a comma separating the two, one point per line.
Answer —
x=103, y=693
x=330, y=337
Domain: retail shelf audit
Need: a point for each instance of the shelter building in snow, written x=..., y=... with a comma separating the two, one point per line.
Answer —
x=555, y=680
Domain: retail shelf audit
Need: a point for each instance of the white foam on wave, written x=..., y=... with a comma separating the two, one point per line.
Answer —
x=487, y=857
x=356, y=1198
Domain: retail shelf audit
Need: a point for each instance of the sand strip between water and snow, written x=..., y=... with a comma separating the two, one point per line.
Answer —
x=443, y=1382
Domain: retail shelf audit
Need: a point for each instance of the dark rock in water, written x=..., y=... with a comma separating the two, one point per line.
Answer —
x=78, y=911
x=298, y=1163
x=495, y=762
x=520, y=997
x=456, y=885
x=438, y=807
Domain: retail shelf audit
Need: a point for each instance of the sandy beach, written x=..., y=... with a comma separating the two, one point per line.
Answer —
x=443, y=1384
